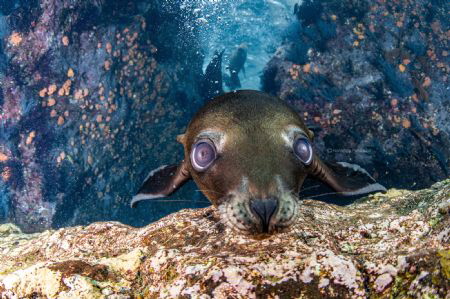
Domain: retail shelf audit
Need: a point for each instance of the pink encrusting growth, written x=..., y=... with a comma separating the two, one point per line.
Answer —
x=10, y=111
x=30, y=209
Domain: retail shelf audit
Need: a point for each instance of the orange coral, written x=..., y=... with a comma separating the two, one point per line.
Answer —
x=406, y=123
x=108, y=48
x=65, y=89
x=307, y=68
x=30, y=137
x=107, y=65
x=51, y=89
x=65, y=40
x=6, y=173
x=426, y=82
x=3, y=157
x=78, y=95
x=15, y=39
x=43, y=92
x=70, y=73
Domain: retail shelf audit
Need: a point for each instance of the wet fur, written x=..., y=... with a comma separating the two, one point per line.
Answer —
x=253, y=133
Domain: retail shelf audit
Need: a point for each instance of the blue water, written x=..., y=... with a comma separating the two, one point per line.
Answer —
x=260, y=24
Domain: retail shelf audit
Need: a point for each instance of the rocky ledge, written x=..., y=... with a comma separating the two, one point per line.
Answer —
x=386, y=245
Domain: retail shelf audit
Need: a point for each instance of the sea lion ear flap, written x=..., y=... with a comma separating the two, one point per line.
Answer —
x=181, y=138
x=162, y=182
x=310, y=134
x=347, y=179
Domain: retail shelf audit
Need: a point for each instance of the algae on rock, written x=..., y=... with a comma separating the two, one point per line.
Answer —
x=395, y=244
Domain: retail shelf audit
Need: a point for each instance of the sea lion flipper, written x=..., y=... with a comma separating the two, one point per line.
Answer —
x=346, y=178
x=162, y=182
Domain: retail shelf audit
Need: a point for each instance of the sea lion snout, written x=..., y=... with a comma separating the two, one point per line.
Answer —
x=249, y=212
x=264, y=209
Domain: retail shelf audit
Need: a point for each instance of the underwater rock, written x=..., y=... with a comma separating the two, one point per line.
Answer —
x=92, y=93
x=395, y=244
x=371, y=79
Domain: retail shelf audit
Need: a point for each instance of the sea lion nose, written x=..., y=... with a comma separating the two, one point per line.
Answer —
x=264, y=209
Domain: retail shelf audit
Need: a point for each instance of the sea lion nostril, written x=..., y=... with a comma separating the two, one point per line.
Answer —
x=264, y=208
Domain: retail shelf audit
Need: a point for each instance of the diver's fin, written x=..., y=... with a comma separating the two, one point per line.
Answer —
x=211, y=84
x=226, y=79
x=243, y=71
x=234, y=81
x=346, y=178
x=162, y=182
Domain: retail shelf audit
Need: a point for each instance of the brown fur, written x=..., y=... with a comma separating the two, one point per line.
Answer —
x=253, y=148
x=255, y=179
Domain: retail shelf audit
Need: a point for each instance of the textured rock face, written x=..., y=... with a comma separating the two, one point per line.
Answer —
x=92, y=94
x=394, y=244
x=371, y=79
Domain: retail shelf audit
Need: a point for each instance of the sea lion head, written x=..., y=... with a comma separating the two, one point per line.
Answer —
x=249, y=153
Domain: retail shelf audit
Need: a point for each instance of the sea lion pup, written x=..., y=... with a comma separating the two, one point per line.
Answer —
x=249, y=153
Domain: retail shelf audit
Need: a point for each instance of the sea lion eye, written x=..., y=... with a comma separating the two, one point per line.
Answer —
x=303, y=150
x=203, y=154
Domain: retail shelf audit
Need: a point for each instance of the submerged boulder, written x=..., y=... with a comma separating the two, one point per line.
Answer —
x=395, y=244
x=371, y=79
x=92, y=94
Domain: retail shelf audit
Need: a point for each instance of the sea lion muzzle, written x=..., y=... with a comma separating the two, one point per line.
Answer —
x=249, y=153
x=265, y=209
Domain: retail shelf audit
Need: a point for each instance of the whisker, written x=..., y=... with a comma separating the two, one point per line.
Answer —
x=187, y=227
x=176, y=233
x=292, y=191
x=221, y=221
x=179, y=200
x=207, y=190
x=319, y=195
x=184, y=229
x=295, y=231
x=309, y=188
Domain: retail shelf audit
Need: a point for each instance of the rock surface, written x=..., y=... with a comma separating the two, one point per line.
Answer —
x=92, y=95
x=395, y=244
